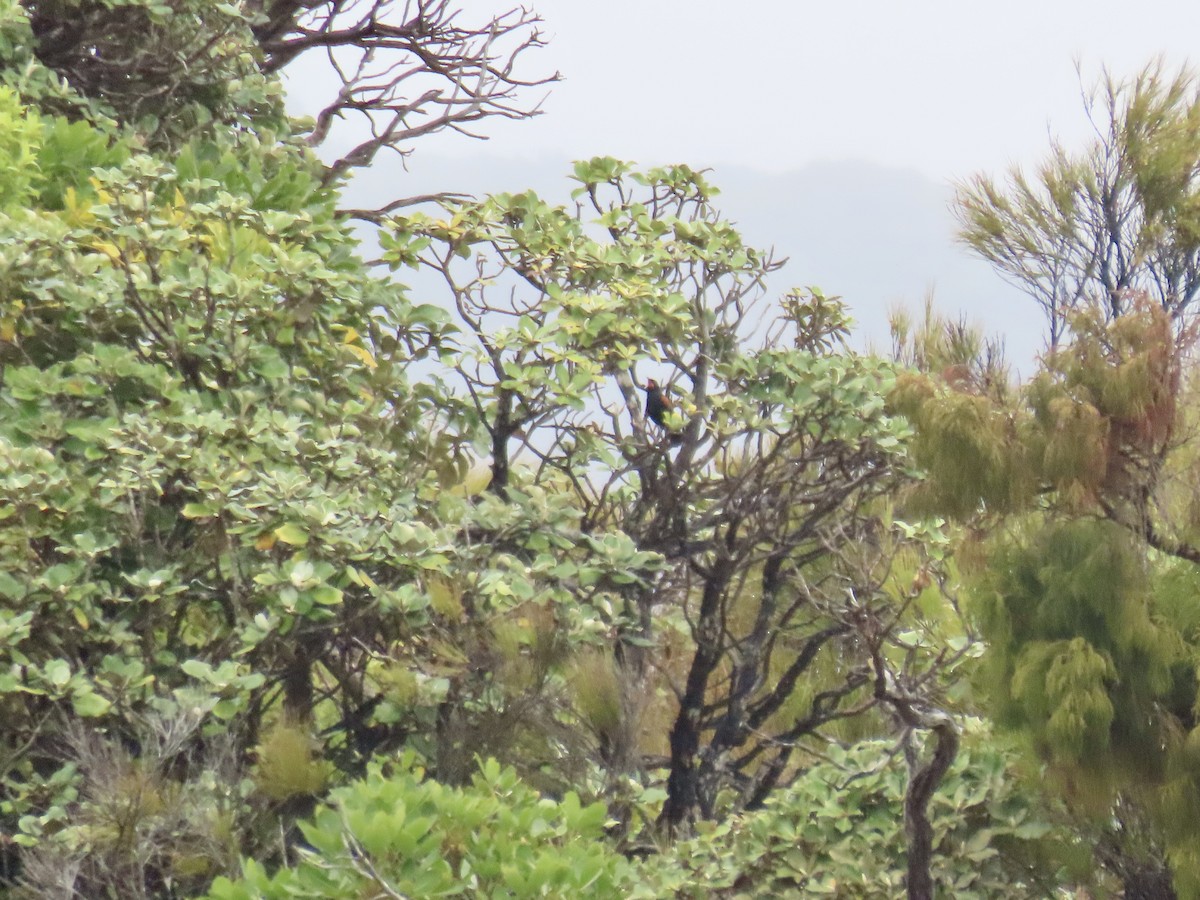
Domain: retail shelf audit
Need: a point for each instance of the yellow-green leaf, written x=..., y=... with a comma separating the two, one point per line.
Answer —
x=291, y=533
x=364, y=354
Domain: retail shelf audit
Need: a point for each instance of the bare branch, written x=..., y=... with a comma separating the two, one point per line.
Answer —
x=405, y=71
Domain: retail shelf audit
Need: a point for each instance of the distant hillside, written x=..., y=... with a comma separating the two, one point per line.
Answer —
x=878, y=237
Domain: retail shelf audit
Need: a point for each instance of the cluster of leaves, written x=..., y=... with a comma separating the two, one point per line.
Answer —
x=401, y=834
x=168, y=69
x=837, y=831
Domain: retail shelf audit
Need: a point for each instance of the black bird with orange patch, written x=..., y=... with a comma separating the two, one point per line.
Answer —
x=658, y=404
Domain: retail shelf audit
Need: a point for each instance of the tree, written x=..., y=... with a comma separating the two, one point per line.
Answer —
x=1077, y=478
x=168, y=381
x=1107, y=224
x=773, y=584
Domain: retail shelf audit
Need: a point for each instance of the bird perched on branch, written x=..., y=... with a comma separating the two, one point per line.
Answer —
x=658, y=405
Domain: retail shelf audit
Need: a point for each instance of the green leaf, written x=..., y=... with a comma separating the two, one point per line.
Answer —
x=302, y=571
x=197, y=669
x=57, y=672
x=198, y=510
x=326, y=595
x=292, y=534
x=10, y=587
x=90, y=705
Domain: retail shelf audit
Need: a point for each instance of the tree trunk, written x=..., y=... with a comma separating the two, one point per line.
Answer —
x=1148, y=882
x=685, y=800
x=921, y=785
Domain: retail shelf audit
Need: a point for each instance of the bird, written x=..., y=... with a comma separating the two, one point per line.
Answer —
x=658, y=405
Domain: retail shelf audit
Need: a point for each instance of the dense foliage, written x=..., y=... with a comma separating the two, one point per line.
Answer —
x=312, y=588
x=1084, y=593
x=836, y=832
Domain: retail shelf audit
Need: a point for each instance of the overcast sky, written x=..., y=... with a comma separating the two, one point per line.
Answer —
x=947, y=87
